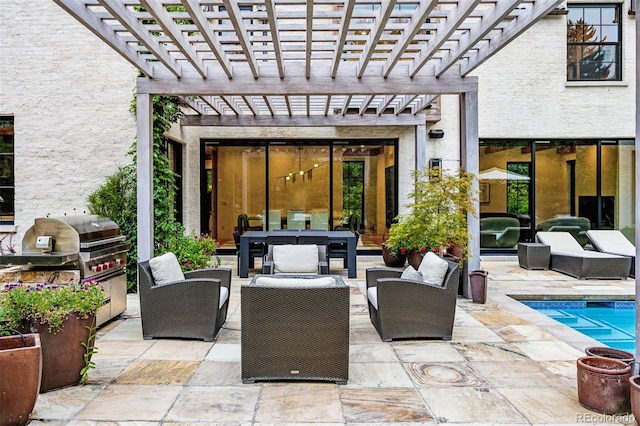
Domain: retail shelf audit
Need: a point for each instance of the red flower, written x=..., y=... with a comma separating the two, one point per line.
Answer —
x=403, y=250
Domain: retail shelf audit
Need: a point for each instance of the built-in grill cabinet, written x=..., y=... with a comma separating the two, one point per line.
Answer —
x=89, y=244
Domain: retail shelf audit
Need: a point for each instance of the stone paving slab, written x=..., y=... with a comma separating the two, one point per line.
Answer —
x=506, y=364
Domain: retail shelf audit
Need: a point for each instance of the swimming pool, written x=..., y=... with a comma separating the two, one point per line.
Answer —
x=609, y=322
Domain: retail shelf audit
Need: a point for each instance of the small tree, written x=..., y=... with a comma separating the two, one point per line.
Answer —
x=438, y=217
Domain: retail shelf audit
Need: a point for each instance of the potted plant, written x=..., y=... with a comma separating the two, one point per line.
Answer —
x=64, y=316
x=437, y=220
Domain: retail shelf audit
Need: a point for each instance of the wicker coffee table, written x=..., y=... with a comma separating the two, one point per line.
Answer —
x=292, y=330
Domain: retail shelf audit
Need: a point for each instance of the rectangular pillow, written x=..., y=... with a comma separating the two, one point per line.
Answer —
x=290, y=258
x=166, y=268
x=433, y=268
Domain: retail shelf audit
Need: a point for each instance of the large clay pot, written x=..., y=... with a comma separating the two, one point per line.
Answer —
x=603, y=385
x=63, y=353
x=391, y=260
x=634, y=396
x=20, y=373
x=608, y=352
x=478, y=282
x=414, y=258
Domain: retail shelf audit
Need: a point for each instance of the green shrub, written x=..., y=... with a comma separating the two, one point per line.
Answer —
x=194, y=251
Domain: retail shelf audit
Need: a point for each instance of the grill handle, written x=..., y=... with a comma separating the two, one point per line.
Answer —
x=97, y=243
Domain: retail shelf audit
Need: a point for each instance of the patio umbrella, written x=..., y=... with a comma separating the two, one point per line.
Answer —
x=496, y=173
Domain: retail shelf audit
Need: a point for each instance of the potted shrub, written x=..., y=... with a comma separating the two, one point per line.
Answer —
x=64, y=316
x=437, y=220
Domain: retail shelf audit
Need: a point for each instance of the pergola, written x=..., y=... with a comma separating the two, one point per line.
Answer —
x=306, y=63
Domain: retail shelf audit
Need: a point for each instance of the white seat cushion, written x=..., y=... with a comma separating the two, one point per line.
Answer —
x=433, y=268
x=372, y=296
x=290, y=258
x=224, y=295
x=559, y=242
x=166, y=268
x=295, y=282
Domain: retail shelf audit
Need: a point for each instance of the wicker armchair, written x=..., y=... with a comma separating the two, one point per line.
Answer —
x=188, y=309
x=412, y=309
x=293, y=331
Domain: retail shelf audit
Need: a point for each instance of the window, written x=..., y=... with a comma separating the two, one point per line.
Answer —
x=594, y=43
x=7, y=176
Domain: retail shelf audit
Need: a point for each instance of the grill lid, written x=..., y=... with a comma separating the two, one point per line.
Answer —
x=72, y=234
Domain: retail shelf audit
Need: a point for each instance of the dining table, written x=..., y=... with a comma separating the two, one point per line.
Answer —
x=334, y=237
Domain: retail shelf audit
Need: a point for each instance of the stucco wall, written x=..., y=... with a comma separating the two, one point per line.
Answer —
x=70, y=95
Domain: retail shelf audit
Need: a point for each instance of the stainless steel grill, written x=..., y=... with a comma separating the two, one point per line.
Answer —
x=88, y=243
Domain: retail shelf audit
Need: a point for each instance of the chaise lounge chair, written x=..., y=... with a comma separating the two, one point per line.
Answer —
x=613, y=242
x=568, y=257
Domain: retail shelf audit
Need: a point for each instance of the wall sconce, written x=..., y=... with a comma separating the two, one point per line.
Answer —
x=436, y=133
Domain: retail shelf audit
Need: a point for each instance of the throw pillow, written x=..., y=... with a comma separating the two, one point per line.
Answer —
x=301, y=258
x=433, y=268
x=411, y=274
x=166, y=268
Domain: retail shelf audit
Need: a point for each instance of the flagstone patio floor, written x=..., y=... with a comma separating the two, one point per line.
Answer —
x=506, y=364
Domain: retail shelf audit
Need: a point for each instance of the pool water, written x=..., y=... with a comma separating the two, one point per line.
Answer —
x=609, y=322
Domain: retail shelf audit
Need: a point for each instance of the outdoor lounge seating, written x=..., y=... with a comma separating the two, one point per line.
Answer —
x=568, y=257
x=295, y=328
x=296, y=259
x=499, y=232
x=176, y=304
x=613, y=242
x=402, y=308
x=576, y=226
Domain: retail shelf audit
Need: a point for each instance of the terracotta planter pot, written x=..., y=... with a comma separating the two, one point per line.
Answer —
x=610, y=353
x=415, y=258
x=634, y=396
x=391, y=260
x=21, y=371
x=478, y=282
x=603, y=385
x=63, y=353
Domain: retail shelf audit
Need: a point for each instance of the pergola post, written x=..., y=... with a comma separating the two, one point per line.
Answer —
x=469, y=158
x=637, y=191
x=144, y=149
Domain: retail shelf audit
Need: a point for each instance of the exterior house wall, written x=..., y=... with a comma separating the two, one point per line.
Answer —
x=69, y=94
x=524, y=93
